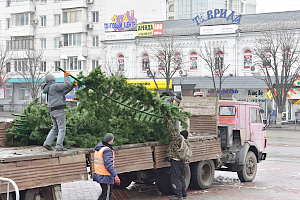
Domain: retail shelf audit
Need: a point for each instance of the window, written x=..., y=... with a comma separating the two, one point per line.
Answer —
x=24, y=93
x=56, y=65
x=72, y=39
x=72, y=63
x=94, y=64
x=43, y=43
x=255, y=115
x=43, y=21
x=161, y=61
x=95, y=16
x=21, y=19
x=71, y=16
x=121, y=62
x=177, y=61
x=171, y=18
x=171, y=8
x=8, y=67
x=267, y=59
x=22, y=42
x=43, y=66
x=7, y=23
x=57, y=43
x=56, y=20
x=227, y=111
x=146, y=62
x=20, y=65
x=8, y=92
x=95, y=41
x=219, y=62
x=43, y=1
x=247, y=59
x=193, y=60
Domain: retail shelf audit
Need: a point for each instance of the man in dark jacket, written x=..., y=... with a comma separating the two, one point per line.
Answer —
x=177, y=166
x=105, y=173
x=56, y=103
x=173, y=99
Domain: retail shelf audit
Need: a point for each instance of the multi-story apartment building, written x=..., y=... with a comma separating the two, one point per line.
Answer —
x=188, y=9
x=67, y=33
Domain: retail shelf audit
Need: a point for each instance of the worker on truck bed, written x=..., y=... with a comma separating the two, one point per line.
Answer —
x=105, y=173
x=56, y=104
x=177, y=165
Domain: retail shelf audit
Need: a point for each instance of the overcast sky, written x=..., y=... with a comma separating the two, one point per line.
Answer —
x=264, y=6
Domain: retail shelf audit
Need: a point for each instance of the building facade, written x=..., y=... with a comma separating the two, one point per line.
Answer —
x=188, y=9
x=129, y=53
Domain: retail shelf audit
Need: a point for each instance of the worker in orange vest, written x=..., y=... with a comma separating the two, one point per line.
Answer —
x=105, y=173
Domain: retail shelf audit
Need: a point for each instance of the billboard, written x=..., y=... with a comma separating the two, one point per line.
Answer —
x=149, y=29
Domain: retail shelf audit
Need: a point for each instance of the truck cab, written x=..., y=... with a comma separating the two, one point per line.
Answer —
x=243, y=136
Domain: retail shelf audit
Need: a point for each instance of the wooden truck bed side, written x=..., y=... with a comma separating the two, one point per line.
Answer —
x=32, y=167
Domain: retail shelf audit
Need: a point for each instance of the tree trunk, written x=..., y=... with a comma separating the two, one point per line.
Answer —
x=278, y=119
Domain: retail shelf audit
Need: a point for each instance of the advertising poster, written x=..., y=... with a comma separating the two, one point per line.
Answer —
x=149, y=29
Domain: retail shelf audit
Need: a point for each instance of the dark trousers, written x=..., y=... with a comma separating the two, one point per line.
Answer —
x=106, y=191
x=177, y=179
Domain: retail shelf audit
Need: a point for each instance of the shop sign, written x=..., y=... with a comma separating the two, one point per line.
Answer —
x=217, y=13
x=149, y=83
x=149, y=29
x=255, y=93
x=226, y=91
x=121, y=22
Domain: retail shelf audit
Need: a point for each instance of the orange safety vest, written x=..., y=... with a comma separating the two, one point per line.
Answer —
x=99, y=162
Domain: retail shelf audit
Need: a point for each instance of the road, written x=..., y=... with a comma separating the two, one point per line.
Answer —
x=277, y=178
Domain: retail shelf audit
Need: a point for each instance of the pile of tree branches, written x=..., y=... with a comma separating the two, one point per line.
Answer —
x=138, y=118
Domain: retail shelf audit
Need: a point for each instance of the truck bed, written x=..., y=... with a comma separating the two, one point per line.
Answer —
x=34, y=166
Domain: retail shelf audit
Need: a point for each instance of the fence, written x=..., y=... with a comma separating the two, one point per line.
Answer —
x=9, y=181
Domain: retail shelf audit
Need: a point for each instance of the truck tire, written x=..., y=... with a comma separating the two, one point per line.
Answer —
x=249, y=169
x=10, y=196
x=163, y=181
x=44, y=193
x=202, y=174
x=126, y=180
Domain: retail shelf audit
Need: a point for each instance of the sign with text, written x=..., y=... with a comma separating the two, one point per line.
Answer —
x=2, y=92
x=122, y=22
x=149, y=29
x=149, y=83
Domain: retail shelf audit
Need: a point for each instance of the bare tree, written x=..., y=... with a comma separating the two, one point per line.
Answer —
x=168, y=53
x=277, y=54
x=213, y=55
x=5, y=56
x=32, y=68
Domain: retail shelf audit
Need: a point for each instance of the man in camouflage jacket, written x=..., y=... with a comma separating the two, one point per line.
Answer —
x=177, y=166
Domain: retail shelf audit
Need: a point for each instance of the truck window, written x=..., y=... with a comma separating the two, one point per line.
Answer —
x=227, y=111
x=255, y=115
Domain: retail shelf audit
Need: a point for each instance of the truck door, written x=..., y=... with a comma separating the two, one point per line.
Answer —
x=257, y=132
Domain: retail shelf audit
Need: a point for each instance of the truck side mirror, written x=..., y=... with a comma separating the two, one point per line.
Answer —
x=261, y=111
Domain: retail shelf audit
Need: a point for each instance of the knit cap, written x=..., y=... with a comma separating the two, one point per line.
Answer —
x=49, y=78
x=184, y=133
x=177, y=98
x=108, y=137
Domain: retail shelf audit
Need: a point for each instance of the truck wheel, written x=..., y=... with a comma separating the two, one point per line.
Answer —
x=249, y=169
x=126, y=180
x=4, y=196
x=202, y=174
x=44, y=193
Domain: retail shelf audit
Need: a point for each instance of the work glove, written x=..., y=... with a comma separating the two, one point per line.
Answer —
x=67, y=73
x=76, y=84
x=117, y=180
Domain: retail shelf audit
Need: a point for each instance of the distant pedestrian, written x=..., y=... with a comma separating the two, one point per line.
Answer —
x=273, y=116
x=174, y=99
x=105, y=173
x=56, y=104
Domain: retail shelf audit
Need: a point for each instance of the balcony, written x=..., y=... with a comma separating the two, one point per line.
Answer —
x=74, y=4
x=20, y=7
x=22, y=30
